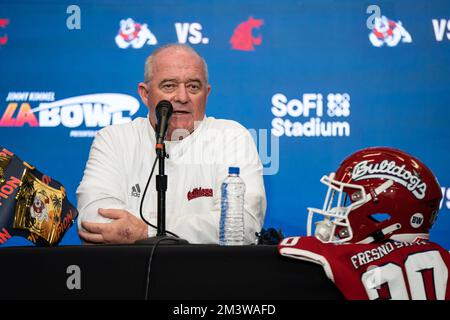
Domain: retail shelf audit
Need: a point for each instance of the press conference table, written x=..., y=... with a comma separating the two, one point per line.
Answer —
x=178, y=272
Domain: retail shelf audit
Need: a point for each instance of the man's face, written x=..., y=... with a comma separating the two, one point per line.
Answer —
x=177, y=76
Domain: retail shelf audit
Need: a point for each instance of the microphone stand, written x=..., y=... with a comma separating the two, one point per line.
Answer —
x=161, y=188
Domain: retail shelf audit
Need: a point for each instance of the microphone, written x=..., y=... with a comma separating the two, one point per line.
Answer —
x=163, y=111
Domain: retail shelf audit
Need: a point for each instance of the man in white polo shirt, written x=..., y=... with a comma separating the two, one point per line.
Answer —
x=200, y=151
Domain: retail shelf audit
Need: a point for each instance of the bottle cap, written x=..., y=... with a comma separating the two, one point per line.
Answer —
x=233, y=170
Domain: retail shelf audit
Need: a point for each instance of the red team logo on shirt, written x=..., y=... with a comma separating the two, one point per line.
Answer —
x=199, y=192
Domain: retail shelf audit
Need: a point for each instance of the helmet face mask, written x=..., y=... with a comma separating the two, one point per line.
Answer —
x=377, y=194
x=334, y=212
x=335, y=227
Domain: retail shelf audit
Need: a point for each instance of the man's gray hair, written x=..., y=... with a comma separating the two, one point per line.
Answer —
x=148, y=72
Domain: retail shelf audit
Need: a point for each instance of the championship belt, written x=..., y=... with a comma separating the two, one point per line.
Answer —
x=32, y=205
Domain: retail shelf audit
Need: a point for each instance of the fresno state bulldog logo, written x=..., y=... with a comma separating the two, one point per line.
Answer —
x=243, y=39
x=38, y=210
x=134, y=34
x=388, y=32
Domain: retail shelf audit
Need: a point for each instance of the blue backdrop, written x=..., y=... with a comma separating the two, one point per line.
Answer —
x=326, y=78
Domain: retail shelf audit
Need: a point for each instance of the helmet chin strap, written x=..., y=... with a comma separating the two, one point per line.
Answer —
x=379, y=235
x=387, y=230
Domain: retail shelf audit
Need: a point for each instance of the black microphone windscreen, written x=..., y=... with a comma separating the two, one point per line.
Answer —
x=163, y=112
x=164, y=108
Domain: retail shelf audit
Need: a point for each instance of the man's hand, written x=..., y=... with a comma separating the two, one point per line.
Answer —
x=125, y=228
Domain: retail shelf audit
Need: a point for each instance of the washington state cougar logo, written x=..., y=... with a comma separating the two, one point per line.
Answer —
x=134, y=34
x=3, y=38
x=388, y=32
x=243, y=39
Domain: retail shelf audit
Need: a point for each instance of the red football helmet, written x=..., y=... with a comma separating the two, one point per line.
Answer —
x=376, y=194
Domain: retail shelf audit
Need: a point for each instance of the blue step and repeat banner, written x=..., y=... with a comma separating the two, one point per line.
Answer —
x=313, y=81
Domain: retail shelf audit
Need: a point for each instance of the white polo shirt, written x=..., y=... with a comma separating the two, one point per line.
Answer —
x=120, y=162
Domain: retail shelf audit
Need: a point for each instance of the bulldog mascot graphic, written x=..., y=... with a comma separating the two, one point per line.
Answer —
x=134, y=34
x=388, y=32
x=38, y=210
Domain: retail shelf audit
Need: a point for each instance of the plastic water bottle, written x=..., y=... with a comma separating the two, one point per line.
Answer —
x=232, y=209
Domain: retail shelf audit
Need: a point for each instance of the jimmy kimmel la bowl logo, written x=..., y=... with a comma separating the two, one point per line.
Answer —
x=92, y=111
